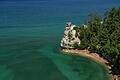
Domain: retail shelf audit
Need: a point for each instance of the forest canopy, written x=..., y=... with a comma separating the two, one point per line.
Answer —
x=102, y=35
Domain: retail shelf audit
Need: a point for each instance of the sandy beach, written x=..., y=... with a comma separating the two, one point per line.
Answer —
x=93, y=56
x=86, y=53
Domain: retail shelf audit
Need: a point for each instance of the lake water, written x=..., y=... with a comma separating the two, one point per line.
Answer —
x=30, y=34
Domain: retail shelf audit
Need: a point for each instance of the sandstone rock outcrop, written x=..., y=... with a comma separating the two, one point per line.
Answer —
x=69, y=39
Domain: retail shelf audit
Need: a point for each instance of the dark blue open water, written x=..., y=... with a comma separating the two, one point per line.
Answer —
x=30, y=33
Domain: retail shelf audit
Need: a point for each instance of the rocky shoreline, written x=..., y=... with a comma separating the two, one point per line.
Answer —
x=68, y=46
x=86, y=53
x=92, y=56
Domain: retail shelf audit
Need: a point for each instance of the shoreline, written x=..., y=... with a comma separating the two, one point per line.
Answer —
x=93, y=56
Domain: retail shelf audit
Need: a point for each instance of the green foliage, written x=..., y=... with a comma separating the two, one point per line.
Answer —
x=103, y=35
x=70, y=35
x=76, y=45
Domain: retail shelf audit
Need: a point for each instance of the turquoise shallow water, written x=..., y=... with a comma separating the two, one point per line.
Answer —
x=32, y=54
x=30, y=33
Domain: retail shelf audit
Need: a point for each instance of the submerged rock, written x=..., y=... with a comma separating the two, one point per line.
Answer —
x=69, y=40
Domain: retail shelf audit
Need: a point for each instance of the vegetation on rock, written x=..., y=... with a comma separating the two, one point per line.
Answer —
x=102, y=36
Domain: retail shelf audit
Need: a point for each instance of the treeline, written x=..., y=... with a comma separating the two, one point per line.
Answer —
x=102, y=35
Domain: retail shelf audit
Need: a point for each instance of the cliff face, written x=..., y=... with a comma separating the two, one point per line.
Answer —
x=69, y=39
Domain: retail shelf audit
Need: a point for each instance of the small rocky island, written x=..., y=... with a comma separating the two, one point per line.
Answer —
x=70, y=39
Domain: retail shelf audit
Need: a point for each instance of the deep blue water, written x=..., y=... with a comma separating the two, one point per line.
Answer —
x=30, y=33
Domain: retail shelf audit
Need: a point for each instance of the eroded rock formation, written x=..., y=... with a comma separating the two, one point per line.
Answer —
x=69, y=40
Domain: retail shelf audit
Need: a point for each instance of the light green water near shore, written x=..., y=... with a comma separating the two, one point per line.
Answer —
x=32, y=54
x=76, y=67
x=30, y=34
